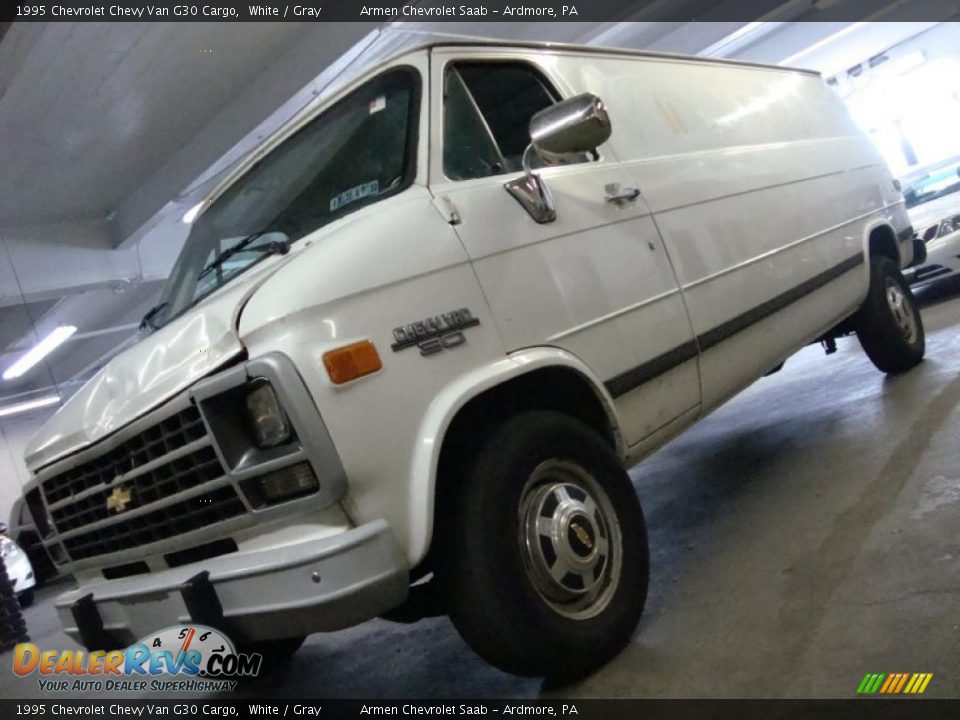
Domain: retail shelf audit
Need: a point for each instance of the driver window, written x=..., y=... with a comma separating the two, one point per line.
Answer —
x=487, y=111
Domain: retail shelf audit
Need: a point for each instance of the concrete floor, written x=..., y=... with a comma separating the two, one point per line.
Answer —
x=803, y=535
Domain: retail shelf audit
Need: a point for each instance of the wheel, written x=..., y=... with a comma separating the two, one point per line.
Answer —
x=545, y=566
x=888, y=323
x=26, y=598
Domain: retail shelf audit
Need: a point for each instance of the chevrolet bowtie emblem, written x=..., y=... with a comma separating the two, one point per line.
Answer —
x=118, y=500
x=582, y=535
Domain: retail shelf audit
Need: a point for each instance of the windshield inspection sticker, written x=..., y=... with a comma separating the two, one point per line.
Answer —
x=378, y=104
x=353, y=194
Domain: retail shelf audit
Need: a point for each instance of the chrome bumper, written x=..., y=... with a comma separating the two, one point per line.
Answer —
x=257, y=595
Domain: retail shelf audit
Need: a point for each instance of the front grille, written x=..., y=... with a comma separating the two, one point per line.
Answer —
x=167, y=522
x=162, y=482
x=928, y=272
x=155, y=442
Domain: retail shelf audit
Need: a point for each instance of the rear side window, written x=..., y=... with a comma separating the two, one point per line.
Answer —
x=487, y=111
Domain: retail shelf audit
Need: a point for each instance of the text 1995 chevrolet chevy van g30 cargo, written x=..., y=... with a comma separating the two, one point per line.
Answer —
x=416, y=338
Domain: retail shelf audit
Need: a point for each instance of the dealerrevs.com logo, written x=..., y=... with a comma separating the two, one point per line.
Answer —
x=183, y=657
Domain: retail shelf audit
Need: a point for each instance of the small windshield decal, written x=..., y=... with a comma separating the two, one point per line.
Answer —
x=353, y=194
x=378, y=104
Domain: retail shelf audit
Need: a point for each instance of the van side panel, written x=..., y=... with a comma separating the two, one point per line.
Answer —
x=595, y=282
x=761, y=186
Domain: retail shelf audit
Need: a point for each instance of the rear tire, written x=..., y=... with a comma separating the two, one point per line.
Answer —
x=888, y=323
x=545, y=561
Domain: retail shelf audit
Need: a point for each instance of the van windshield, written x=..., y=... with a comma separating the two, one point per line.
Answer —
x=357, y=152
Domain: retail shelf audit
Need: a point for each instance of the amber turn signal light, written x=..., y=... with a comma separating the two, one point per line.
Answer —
x=352, y=361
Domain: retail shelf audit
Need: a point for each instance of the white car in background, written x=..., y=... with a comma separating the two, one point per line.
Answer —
x=942, y=241
x=934, y=207
x=19, y=569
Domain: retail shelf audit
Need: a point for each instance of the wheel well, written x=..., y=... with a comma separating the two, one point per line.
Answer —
x=556, y=388
x=883, y=241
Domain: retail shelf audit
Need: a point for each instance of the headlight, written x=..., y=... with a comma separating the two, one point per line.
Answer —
x=288, y=483
x=281, y=485
x=267, y=419
x=8, y=547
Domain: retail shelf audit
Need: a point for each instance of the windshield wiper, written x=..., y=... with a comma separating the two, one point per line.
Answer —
x=276, y=246
x=147, y=322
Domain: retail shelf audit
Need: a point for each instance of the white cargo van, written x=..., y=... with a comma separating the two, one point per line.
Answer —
x=417, y=337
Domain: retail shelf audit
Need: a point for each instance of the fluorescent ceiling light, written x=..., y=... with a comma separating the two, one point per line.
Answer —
x=29, y=405
x=39, y=351
x=727, y=43
x=853, y=27
x=190, y=215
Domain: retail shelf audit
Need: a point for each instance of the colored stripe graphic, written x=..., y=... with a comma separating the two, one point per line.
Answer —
x=890, y=683
x=894, y=683
x=919, y=683
x=870, y=683
x=900, y=683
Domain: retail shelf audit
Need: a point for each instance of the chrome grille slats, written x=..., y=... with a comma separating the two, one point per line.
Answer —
x=186, y=450
x=163, y=523
x=153, y=443
x=165, y=480
x=169, y=472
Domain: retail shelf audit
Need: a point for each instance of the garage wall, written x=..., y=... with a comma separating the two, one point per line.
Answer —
x=918, y=128
x=941, y=41
x=15, y=433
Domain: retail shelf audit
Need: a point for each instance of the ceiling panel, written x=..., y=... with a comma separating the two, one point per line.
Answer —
x=98, y=106
x=16, y=321
x=105, y=319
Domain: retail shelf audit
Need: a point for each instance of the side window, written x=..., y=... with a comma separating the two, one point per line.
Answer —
x=469, y=150
x=487, y=111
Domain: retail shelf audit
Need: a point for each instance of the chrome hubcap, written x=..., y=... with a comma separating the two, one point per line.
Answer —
x=902, y=311
x=570, y=539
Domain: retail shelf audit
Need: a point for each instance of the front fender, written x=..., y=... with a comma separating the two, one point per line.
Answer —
x=452, y=399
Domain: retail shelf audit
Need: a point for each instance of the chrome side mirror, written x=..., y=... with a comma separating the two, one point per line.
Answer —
x=571, y=127
x=577, y=125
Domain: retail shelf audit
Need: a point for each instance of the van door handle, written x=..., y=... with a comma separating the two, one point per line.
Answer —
x=615, y=193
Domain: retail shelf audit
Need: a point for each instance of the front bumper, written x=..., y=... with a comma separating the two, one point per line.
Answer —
x=257, y=595
x=941, y=259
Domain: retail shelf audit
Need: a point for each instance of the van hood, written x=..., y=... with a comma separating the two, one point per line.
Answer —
x=151, y=372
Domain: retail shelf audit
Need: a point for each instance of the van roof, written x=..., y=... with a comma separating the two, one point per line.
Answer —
x=447, y=41
x=439, y=40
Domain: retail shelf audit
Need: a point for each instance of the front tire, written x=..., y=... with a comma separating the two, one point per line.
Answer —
x=889, y=325
x=26, y=598
x=546, y=560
